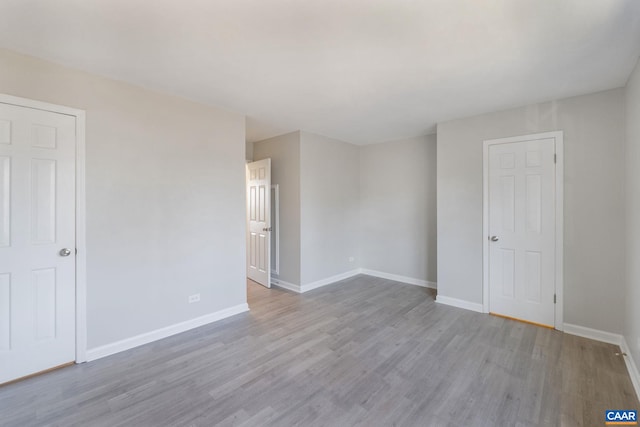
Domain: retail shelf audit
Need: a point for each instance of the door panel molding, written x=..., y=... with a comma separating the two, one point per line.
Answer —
x=258, y=182
x=558, y=136
x=80, y=212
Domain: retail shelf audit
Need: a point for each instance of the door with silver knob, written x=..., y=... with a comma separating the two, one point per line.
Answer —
x=521, y=233
x=65, y=252
x=37, y=232
x=259, y=222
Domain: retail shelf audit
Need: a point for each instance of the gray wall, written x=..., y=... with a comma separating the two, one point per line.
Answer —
x=593, y=128
x=322, y=215
x=284, y=151
x=248, y=151
x=329, y=207
x=165, y=199
x=632, y=195
x=398, y=207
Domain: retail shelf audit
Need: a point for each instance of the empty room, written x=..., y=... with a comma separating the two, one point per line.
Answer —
x=319, y=213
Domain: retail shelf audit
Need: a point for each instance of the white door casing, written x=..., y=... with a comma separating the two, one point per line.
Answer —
x=259, y=222
x=523, y=228
x=275, y=230
x=38, y=298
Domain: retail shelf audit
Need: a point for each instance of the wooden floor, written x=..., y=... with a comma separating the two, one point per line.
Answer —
x=363, y=352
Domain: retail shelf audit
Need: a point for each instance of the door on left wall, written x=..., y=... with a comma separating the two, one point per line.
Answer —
x=259, y=222
x=37, y=240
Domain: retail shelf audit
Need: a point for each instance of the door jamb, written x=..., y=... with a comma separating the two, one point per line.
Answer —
x=559, y=216
x=81, y=244
x=275, y=202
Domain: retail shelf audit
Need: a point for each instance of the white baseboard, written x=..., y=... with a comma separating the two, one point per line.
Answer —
x=328, y=280
x=593, y=334
x=398, y=278
x=454, y=302
x=631, y=366
x=158, y=334
x=285, y=285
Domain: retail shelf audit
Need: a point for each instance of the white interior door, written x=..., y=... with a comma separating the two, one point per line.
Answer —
x=522, y=227
x=259, y=218
x=37, y=224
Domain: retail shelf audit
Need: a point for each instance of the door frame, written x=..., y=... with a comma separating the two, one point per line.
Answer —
x=80, y=208
x=559, y=217
x=275, y=202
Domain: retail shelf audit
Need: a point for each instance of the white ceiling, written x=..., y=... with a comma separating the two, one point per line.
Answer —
x=363, y=71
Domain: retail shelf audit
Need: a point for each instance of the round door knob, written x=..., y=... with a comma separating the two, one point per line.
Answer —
x=65, y=252
x=494, y=238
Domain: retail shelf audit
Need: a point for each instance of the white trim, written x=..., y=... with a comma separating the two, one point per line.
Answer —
x=328, y=280
x=276, y=203
x=594, y=334
x=285, y=285
x=81, y=219
x=39, y=105
x=81, y=241
x=485, y=227
x=631, y=366
x=398, y=278
x=454, y=302
x=559, y=215
x=158, y=334
x=559, y=231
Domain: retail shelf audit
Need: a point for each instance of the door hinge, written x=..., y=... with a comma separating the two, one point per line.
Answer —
x=554, y=298
x=555, y=158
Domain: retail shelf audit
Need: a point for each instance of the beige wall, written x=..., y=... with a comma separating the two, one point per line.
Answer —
x=165, y=199
x=398, y=207
x=594, y=230
x=284, y=151
x=632, y=196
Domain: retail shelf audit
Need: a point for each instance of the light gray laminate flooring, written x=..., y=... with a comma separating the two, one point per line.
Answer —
x=362, y=352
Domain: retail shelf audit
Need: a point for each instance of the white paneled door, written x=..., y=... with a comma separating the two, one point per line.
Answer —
x=259, y=218
x=37, y=240
x=522, y=230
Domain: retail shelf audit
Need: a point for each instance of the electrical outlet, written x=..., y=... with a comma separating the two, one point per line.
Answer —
x=194, y=298
x=352, y=259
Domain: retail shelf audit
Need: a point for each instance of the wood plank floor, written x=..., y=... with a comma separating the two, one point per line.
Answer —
x=363, y=352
